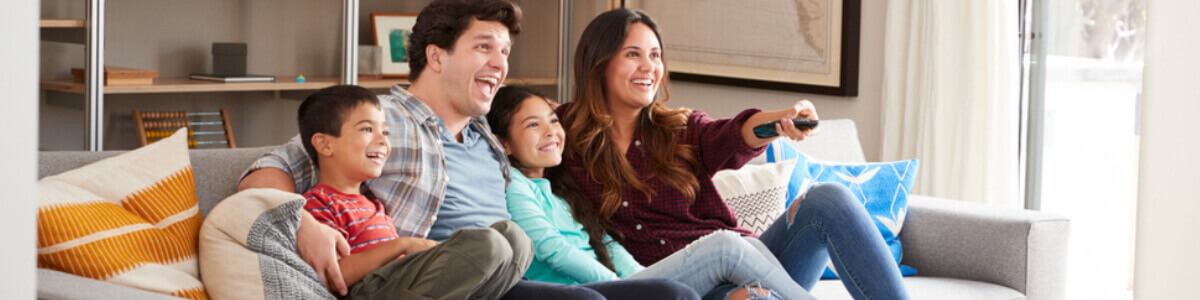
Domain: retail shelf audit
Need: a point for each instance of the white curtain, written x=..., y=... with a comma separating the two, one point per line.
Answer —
x=950, y=97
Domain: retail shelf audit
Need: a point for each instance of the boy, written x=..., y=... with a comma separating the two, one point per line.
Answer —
x=344, y=131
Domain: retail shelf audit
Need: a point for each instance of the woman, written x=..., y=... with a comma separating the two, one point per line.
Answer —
x=542, y=201
x=648, y=169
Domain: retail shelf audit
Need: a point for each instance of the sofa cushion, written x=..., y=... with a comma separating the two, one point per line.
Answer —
x=58, y=285
x=130, y=220
x=881, y=187
x=217, y=171
x=756, y=193
x=248, y=249
x=921, y=287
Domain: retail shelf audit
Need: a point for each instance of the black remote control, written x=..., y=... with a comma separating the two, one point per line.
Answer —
x=767, y=130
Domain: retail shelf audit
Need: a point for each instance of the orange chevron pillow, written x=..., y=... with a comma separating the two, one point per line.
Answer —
x=130, y=220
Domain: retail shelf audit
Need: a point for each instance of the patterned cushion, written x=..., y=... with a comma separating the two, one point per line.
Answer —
x=881, y=187
x=130, y=220
x=756, y=193
x=247, y=248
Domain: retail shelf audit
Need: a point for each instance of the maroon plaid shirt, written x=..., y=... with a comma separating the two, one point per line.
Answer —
x=656, y=228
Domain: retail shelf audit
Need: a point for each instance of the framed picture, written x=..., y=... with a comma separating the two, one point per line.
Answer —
x=804, y=46
x=392, y=31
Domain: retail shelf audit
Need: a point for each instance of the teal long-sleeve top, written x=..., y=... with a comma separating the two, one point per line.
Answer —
x=562, y=253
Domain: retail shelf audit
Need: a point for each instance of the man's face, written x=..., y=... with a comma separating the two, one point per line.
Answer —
x=476, y=67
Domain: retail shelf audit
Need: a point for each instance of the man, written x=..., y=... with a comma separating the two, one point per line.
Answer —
x=446, y=170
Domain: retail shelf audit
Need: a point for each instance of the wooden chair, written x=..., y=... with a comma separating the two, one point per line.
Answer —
x=202, y=126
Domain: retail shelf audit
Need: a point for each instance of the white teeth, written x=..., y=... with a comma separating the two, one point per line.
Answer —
x=489, y=80
x=642, y=81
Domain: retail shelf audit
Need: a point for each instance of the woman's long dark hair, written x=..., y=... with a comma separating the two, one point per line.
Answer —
x=506, y=103
x=588, y=133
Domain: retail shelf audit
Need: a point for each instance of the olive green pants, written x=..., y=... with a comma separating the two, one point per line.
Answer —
x=477, y=263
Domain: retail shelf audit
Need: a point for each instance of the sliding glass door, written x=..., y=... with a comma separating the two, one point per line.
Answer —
x=1083, y=85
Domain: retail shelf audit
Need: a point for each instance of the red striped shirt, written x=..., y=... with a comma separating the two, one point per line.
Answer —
x=361, y=221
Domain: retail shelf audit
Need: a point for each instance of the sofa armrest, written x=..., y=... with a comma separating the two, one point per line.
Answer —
x=1021, y=249
x=58, y=285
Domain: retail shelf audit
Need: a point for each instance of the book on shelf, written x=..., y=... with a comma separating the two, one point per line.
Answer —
x=120, y=76
x=233, y=78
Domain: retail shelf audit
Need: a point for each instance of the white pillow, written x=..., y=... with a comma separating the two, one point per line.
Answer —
x=756, y=192
x=130, y=220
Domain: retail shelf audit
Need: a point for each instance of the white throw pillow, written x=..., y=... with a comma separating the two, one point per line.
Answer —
x=130, y=220
x=756, y=192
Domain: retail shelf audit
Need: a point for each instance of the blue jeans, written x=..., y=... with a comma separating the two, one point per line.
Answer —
x=830, y=223
x=725, y=257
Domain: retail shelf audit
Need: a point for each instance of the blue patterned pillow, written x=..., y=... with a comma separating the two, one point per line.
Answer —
x=881, y=187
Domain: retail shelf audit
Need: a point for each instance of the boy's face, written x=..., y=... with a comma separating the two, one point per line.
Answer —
x=362, y=149
x=477, y=66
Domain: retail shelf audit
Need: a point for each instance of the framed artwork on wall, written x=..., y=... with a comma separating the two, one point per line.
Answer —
x=808, y=46
x=391, y=32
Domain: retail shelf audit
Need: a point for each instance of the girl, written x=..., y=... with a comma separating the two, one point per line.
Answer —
x=648, y=169
x=542, y=201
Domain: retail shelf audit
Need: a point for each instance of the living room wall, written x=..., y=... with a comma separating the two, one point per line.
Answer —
x=721, y=101
x=19, y=154
x=865, y=110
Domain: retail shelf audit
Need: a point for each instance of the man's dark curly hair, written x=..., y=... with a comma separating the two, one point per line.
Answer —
x=443, y=21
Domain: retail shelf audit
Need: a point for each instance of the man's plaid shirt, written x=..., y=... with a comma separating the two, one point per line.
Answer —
x=414, y=178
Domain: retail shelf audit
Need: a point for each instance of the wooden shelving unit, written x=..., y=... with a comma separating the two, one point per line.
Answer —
x=184, y=85
x=62, y=23
x=387, y=83
x=90, y=32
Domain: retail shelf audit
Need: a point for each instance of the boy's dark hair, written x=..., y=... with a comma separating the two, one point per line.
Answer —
x=443, y=21
x=326, y=110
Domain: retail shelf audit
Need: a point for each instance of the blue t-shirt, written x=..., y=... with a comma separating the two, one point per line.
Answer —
x=475, y=191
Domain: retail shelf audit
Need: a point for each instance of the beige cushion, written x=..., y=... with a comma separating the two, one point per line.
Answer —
x=130, y=220
x=233, y=260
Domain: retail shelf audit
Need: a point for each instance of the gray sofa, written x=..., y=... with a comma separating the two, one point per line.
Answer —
x=961, y=250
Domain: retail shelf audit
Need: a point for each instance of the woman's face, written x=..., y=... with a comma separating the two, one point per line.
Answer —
x=633, y=75
x=535, y=137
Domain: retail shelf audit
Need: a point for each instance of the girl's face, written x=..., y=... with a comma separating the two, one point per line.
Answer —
x=633, y=75
x=535, y=137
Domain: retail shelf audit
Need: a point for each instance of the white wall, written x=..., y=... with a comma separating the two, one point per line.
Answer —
x=865, y=110
x=1167, y=243
x=18, y=156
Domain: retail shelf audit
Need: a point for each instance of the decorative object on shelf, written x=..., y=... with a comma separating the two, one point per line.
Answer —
x=229, y=65
x=233, y=78
x=301, y=79
x=229, y=58
x=803, y=46
x=204, y=128
x=369, y=62
x=391, y=32
x=121, y=76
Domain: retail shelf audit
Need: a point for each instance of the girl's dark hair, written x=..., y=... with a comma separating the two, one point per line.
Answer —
x=506, y=103
x=504, y=106
x=585, y=213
